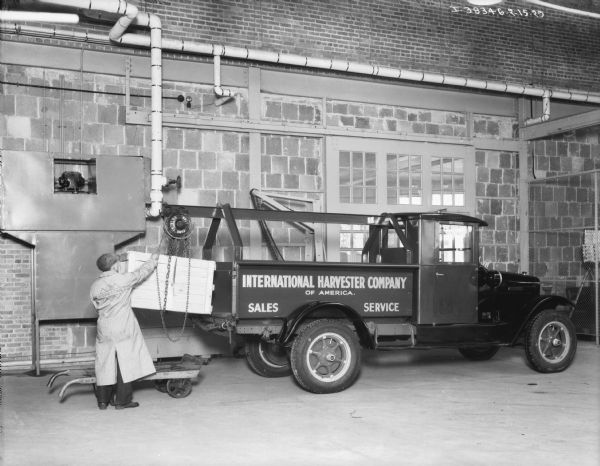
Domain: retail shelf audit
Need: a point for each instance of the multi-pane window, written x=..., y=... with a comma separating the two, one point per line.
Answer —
x=352, y=241
x=447, y=181
x=404, y=179
x=370, y=176
x=358, y=177
x=455, y=243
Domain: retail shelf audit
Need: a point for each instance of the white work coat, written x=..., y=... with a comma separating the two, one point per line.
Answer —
x=118, y=332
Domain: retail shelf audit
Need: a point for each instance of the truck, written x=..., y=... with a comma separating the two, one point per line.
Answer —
x=419, y=285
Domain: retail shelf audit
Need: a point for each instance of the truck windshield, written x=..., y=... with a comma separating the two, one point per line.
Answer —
x=454, y=243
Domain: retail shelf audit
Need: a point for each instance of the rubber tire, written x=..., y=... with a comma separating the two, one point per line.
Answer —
x=310, y=335
x=179, y=388
x=568, y=339
x=479, y=353
x=262, y=361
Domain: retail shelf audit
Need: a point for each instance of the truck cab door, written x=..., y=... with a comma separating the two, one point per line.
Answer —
x=455, y=290
x=452, y=275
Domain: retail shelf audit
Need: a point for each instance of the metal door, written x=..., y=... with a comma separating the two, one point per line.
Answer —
x=448, y=273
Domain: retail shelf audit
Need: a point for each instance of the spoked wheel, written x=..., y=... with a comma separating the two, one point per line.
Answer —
x=179, y=388
x=267, y=359
x=479, y=353
x=550, y=342
x=326, y=357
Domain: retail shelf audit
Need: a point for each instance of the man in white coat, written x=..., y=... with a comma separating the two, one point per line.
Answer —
x=121, y=352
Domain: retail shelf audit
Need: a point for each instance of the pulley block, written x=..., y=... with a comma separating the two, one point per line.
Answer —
x=178, y=224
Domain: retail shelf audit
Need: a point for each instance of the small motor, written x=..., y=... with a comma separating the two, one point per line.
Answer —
x=71, y=181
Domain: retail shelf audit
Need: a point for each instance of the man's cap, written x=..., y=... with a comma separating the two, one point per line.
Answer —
x=106, y=261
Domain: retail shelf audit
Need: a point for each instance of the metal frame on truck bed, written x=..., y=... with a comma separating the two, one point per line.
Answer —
x=419, y=284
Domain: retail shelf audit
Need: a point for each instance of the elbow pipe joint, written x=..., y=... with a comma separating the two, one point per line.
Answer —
x=545, y=116
x=220, y=92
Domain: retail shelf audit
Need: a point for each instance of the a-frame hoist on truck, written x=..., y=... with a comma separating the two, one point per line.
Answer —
x=420, y=285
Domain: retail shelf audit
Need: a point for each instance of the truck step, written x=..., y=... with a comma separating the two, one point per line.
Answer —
x=394, y=344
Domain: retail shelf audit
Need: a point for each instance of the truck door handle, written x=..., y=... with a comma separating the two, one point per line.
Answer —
x=437, y=274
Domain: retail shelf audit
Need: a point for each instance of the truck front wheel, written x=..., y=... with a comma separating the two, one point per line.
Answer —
x=550, y=342
x=267, y=359
x=326, y=357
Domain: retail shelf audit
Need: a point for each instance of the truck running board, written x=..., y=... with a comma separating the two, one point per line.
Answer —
x=394, y=335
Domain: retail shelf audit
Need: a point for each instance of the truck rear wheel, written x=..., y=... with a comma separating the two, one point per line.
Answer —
x=267, y=359
x=479, y=353
x=550, y=342
x=326, y=357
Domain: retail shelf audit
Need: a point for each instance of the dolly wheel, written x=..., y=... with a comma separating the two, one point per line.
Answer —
x=179, y=388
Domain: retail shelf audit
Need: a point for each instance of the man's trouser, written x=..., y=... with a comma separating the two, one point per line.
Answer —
x=123, y=391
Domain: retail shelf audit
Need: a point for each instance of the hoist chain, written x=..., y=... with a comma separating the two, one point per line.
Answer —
x=175, y=247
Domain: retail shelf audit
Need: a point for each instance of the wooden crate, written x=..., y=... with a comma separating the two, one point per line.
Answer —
x=145, y=295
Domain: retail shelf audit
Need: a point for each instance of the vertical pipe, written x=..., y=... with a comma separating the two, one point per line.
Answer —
x=81, y=102
x=35, y=325
x=45, y=111
x=157, y=180
x=523, y=209
x=61, y=96
x=218, y=90
x=596, y=258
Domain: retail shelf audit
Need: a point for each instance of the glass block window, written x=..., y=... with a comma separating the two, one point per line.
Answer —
x=455, y=243
x=447, y=181
x=404, y=179
x=352, y=241
x=358, y=177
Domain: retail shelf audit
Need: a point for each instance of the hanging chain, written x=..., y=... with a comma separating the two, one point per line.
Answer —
x=175, y=247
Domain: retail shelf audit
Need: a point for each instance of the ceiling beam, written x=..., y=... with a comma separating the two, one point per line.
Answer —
x=561, y=125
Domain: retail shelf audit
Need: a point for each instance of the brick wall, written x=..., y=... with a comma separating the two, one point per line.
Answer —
x=497, y=204
x=395, y=119
x=562, y=208
x=558, y=50
x=15, y=300
x=291, y=166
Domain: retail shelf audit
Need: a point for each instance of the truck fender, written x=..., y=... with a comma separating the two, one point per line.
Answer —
x=302, y=313
x=558, y=303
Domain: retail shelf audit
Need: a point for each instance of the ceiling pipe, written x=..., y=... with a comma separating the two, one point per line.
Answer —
x=120, y=7
x=545, y=112
x=38, y=17
x=182, y=46
x=129, y=14
x=574, y=11
x=179, y=45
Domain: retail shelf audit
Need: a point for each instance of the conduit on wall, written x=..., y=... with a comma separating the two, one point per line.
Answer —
x=131, y=15
x=564, y=8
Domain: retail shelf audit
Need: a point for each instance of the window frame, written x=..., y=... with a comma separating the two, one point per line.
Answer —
x=427, y=150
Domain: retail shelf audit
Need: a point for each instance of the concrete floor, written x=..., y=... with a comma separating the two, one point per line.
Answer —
x=413, y=407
